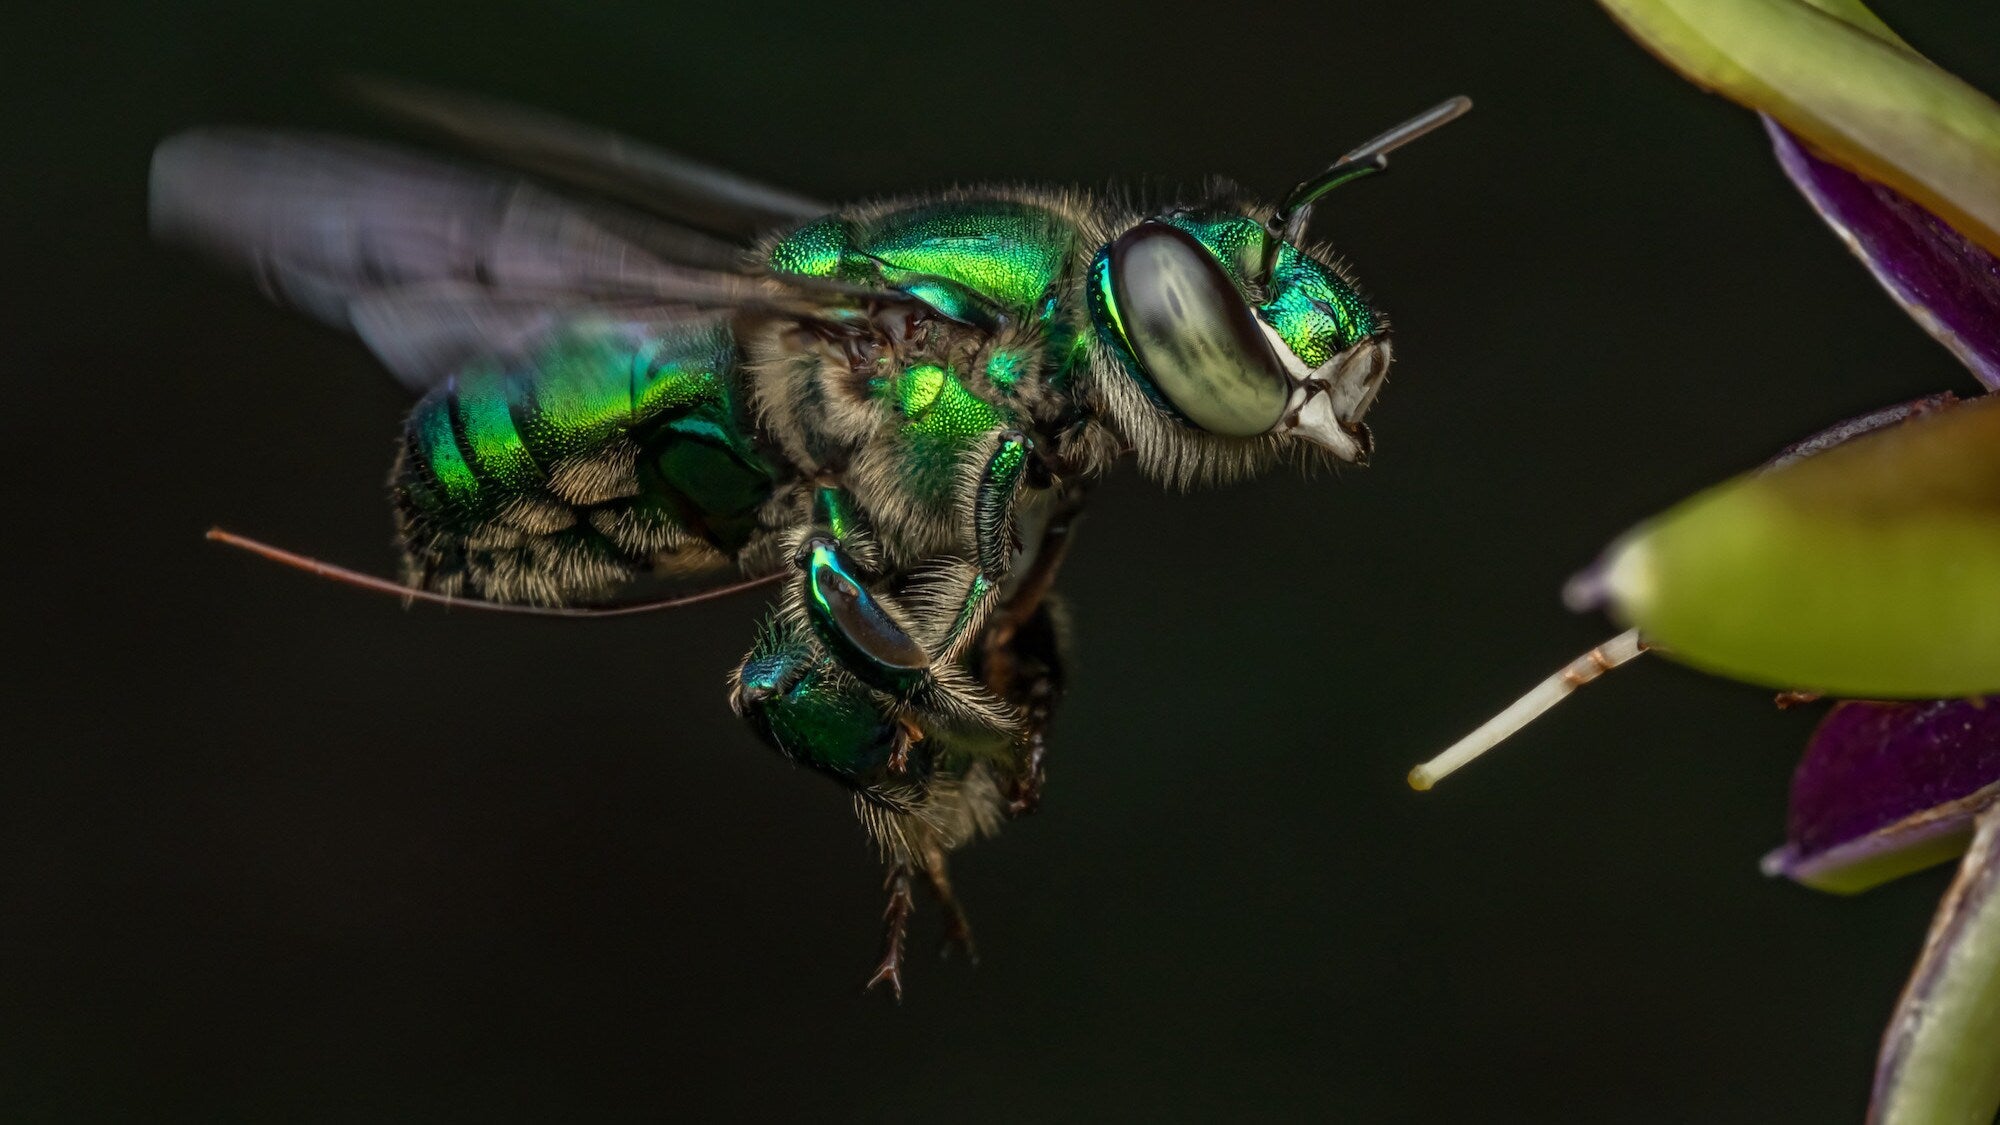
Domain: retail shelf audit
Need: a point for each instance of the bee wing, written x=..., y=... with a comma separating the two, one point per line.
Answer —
x=425, y=258
x=600, y=161
x=425, y=333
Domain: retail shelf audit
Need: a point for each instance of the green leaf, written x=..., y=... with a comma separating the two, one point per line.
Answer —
x=1870, y=570
x=1856, y=14
x=1834, y=74
x=1940, y=1060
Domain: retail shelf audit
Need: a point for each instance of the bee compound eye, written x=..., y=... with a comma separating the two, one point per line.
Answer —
x=1196, y=340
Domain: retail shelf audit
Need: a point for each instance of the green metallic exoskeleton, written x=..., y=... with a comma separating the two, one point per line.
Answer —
x=900, y=404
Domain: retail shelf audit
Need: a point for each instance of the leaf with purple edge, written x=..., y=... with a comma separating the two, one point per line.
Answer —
x=1940, y=1061
x=1948, y=284
x=1834, y=75
x=1885, y=789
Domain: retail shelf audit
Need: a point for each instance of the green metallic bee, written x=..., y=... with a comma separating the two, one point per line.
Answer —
x=655, y=369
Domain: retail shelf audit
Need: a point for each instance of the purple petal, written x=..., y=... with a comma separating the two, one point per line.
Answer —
x=1888, y=788
x=1948, y=284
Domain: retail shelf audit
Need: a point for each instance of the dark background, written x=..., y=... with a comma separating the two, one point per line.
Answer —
x=278, y=849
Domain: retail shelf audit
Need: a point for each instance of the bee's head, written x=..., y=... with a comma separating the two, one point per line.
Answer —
x=1235, y=342
x=1227, y=345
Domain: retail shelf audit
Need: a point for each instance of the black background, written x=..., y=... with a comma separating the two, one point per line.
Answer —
x=271, y=848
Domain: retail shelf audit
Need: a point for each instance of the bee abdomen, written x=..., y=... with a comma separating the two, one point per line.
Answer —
x=562, y=478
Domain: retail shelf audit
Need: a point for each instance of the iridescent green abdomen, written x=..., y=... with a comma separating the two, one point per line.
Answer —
x=612, y=444
x=1009, y=253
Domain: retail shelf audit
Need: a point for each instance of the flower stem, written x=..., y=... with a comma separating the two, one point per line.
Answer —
x=1529, y=707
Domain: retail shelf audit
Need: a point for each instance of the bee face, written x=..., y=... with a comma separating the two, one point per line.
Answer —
x=1239, y=335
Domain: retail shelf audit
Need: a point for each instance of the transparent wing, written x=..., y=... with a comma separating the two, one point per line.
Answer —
x=424, y=333
x=433, y=263
x=602, y=162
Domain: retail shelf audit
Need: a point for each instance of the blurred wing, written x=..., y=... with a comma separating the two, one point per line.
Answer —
x=604, y=163
x=424, y=333
x=432, y=263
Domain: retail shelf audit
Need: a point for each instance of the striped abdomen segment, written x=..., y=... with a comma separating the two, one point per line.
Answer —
x=563, y=475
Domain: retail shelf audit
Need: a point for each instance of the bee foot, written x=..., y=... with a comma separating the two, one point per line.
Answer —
x=889, y=972
x=895, y=927
x=957, y=935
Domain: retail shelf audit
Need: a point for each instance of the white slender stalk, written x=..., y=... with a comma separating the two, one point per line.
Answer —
x=1529, y=707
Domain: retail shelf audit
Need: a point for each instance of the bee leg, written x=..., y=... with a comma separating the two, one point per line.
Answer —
x=1026, y=795
x=837, y=559
x=1028, y=673
x=835, y=515
x=992, y=493
x=947, y=618
x=950, y=617
x=957, y=930
x=862, y=630
x=798, y=700
x=1022, y=659
x=895, y=927
x=1037, y=708
x=1033, y=588
x=865, y=630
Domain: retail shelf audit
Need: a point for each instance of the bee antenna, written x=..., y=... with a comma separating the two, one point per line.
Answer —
x=357, y=579
x=1618, y=650
x=1289, y=223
